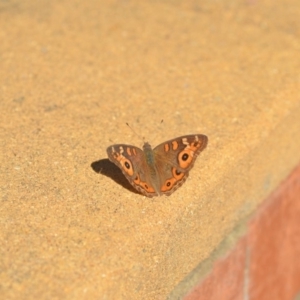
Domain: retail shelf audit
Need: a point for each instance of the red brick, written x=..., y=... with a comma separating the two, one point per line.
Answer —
x=226, y=279
x=274, y=244
x=265, y=263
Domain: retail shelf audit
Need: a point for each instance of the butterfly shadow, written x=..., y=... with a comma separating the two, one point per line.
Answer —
x=109, y=169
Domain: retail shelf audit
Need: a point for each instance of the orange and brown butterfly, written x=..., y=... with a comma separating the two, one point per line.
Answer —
x=158, y=171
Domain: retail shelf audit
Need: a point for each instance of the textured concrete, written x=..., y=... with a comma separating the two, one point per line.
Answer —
x=73, y=73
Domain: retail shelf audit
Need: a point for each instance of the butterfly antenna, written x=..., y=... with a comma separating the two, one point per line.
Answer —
x=143, y=138
x=155, y=136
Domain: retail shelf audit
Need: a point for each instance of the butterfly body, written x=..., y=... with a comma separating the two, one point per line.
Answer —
x=158, y=171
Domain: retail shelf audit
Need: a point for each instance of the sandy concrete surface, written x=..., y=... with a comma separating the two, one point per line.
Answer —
x=73, y=73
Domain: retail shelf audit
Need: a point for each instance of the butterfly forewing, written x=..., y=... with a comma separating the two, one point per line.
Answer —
x=182, y=151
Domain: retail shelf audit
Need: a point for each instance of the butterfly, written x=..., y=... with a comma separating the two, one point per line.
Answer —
x=158, y=171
